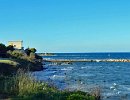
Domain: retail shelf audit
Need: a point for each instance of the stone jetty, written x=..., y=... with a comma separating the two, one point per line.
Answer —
x=86, y=60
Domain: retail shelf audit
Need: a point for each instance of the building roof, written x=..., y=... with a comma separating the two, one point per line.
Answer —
x=16, y=41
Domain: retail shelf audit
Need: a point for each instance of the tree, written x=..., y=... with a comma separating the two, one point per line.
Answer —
x=3, y=50
x=27, y=51
x=10, y=47
x=30, y=50
x=33, y=50
x=2, y=47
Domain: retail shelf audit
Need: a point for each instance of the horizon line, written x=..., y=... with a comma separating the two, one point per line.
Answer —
x=87, y=52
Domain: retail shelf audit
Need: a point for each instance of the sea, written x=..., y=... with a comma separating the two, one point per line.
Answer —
x=111, y=79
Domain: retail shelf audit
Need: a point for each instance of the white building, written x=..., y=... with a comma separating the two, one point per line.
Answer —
x=16, y=44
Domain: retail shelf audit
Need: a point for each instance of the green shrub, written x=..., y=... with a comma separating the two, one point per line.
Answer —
x=3, y=50
x=26, y=84
x=23, y=86
x=80, y=97
x=30, y=50
x=76, y=97
x=10, y=47
x=32, y=56
x=16, y=53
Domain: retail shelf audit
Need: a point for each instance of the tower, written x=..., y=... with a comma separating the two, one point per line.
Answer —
x=16, y=44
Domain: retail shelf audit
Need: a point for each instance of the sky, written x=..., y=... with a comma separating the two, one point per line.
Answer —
x=67, y=25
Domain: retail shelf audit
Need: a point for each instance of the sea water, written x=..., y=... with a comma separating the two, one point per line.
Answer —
x=113, y=78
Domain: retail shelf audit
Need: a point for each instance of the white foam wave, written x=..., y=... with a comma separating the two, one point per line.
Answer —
x=57, y=77
x=68, y=68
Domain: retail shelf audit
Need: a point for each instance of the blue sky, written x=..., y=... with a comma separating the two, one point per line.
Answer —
x=67, y=25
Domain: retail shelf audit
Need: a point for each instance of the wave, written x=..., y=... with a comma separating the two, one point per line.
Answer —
x=68, y=68
x=57, y=77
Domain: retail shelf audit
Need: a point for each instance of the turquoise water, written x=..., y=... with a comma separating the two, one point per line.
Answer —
x=113, y=78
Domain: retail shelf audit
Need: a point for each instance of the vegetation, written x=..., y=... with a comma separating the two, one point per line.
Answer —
x=3, y=50
x=17, y=82
x=11, y=58
x=23, y=86
x=10, y=62
x=30, y=50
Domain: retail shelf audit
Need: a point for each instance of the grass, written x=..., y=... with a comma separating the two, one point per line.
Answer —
x=8, y=61
x=9, y=66
x=23, y=86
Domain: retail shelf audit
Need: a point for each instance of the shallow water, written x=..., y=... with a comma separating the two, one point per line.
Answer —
x=113, y=78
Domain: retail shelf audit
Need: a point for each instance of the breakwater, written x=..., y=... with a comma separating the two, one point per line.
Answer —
x=86, y=60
